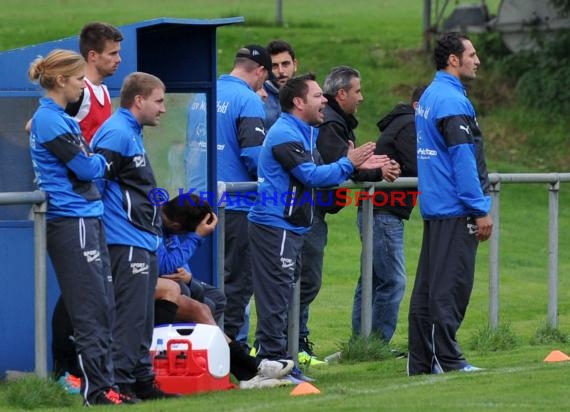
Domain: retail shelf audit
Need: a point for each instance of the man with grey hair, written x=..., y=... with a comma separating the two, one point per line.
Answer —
x=343, y=92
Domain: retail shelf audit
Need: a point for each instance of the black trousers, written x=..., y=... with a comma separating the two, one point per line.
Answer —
x=78, y=252
x=135, y=272
x=444, y=281
x=274, y=256
x=238, y=286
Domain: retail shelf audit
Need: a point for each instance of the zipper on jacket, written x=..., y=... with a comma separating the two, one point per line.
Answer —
x=293, y=194
x=129, y=206
x=312, y=188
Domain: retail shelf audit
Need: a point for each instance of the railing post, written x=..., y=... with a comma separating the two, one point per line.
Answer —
x=40, y=285
x=553, y=254
x=293, y=322
x=494, y=257
x=221, y=241
x=366, y=264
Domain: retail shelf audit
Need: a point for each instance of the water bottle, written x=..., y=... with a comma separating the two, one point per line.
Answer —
x=181, y=363
x=335, y=357
x=160, y=358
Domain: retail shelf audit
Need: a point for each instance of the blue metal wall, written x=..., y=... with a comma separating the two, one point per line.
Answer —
x=182, y=52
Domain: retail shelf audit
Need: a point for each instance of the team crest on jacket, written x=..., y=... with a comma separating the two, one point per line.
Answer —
x=140, y=161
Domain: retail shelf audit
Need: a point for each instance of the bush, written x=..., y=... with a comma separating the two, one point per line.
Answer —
x=361, y=349
x=489, y=339
x=541, y=78
x=546, y=334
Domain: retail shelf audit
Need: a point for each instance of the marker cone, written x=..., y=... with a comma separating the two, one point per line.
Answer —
x=305, y=388
x=556, y=356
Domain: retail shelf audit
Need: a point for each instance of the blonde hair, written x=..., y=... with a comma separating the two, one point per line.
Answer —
x=45, y=70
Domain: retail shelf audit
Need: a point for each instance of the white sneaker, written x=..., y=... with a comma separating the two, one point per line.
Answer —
x=275, y=368
x=470, y=368
x=259, y=382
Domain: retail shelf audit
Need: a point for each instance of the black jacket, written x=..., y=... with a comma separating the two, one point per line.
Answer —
x=398, y=141
x=332, y=143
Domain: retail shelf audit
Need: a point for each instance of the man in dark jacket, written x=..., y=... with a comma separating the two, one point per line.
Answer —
x=343, y=93
x=398, y=142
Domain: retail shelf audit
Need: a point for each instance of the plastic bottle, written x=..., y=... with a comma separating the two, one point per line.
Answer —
x=335, y=357
x=181, y=363
x=160, y=358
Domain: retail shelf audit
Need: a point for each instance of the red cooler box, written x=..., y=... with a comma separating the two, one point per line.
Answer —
x=191, y=358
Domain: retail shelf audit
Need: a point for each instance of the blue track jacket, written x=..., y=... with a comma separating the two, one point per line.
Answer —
x=64, y=164
x=289, y=168
x=176, y=250
x=130, y=218
x=452, y=173
x=240, y=133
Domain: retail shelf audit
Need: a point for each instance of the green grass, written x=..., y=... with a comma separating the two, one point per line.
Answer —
x=382, y=39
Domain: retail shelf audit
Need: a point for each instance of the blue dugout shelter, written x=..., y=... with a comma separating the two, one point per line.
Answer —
x=181, y=52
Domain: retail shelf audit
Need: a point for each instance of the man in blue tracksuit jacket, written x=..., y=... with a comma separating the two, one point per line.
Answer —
x=289, y=169
x=132, y=224
x=454, y=203
x=240, y=133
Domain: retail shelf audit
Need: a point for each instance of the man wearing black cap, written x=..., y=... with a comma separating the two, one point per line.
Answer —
x=240, y=133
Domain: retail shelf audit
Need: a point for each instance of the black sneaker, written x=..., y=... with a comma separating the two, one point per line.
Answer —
x=305, y=345
x=150, y=390
x=127, y=394
x=108, y=397
x=129, y=398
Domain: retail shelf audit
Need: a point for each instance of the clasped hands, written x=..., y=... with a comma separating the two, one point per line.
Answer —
x=363, y=158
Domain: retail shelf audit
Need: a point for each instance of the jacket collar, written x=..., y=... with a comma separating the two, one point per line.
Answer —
x=349, y=119
x=130, y=118
x=445, y=77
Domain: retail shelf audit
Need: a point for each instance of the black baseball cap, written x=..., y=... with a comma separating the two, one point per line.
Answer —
x=256, y=53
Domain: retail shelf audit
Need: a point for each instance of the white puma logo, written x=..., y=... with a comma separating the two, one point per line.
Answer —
x=466, y=128
x=260, y=130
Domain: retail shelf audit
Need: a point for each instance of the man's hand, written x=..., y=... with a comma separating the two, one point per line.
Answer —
x=391, y=171
x=359, y=155
x=484, y=227
x=181, y=274
x=207, y=225
x=374, y=162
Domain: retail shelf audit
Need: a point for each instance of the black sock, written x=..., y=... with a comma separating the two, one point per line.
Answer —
x=242, y=366
x=164, y=311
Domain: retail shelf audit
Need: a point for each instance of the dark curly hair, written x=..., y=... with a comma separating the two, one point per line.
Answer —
x=188, y=211
x=448, y=44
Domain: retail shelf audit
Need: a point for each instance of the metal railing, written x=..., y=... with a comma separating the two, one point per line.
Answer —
x=38, y=200
x=496, y=179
